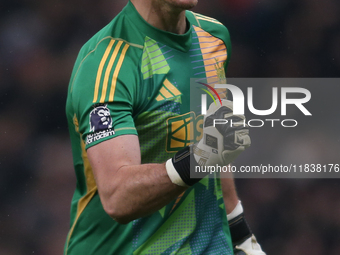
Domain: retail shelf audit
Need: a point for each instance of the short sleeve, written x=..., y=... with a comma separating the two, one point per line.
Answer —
x=104, y=92
x=214, y=27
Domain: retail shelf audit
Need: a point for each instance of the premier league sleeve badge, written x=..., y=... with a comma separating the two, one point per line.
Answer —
x=100, y=124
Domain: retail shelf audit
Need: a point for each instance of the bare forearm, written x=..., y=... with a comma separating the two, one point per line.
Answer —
x=229, y=194
x=137, y=191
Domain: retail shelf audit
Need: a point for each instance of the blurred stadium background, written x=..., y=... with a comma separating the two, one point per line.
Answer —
x=39, y=41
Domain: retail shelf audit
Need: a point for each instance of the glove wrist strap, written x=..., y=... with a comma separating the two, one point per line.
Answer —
x=239, y=229
x=178, y=168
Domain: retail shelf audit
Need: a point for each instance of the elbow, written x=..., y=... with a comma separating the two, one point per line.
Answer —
x=118, y=211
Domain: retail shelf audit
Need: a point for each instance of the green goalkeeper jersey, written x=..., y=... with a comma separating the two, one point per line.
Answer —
x=132, y=78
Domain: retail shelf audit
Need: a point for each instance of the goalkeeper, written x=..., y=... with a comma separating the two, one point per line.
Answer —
x=126, y=101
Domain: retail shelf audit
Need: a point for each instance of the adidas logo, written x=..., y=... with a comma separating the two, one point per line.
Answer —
x=168, y=91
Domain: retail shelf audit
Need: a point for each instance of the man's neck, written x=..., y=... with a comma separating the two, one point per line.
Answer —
x=162, y=15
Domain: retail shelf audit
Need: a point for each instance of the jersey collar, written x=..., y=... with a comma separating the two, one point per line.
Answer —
x=179, y=42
